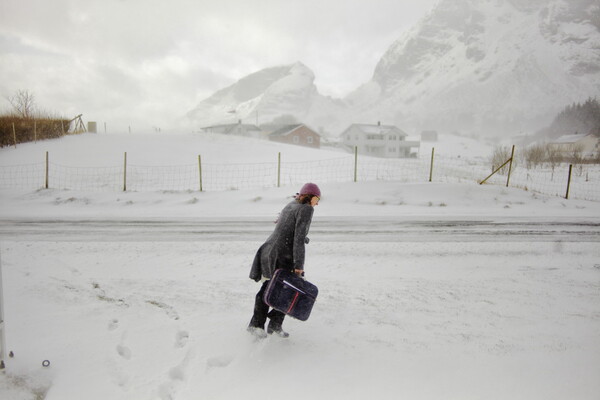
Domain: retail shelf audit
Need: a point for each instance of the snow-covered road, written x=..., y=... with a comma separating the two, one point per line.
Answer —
x=324, y=229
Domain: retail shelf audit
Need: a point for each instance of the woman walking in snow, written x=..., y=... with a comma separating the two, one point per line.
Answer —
x=284, y=249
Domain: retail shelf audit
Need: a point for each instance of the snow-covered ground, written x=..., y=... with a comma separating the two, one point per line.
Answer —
x=427, y=290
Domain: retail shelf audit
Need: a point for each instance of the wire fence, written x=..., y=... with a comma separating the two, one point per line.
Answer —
x=550, y=180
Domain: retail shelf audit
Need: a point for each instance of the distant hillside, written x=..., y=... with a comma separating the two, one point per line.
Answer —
x=576, y=118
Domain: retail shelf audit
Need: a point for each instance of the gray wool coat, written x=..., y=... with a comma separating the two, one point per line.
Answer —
x=285, y=247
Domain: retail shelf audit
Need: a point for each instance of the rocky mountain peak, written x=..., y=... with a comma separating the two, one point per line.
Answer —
x=477, y=66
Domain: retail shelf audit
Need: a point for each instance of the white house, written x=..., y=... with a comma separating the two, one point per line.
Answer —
x=379, y=140
x=586, y=144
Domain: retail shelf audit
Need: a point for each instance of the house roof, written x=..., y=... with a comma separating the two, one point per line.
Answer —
x=378, y=129
x=284, y=130
x=566, y=139
x=226, y=128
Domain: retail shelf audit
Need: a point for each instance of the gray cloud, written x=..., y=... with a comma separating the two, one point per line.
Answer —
x=143, y=59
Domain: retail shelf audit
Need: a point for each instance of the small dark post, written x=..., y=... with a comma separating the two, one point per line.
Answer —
x=569, y=181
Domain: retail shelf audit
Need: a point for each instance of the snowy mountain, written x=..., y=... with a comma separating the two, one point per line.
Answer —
x=265, y=95
x=487, y=65
x=477, y=66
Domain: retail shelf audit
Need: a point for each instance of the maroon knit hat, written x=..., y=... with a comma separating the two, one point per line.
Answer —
x=310, y=188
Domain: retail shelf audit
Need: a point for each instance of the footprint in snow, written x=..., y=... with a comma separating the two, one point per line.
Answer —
x=181, y=339
x=219, y=361
x=177, y=375
x=124, y=352
x=113, y=324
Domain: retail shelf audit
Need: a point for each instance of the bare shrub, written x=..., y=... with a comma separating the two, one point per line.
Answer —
x=534, y=155
x=553, y=156
x=500, y=156
x=577, y=155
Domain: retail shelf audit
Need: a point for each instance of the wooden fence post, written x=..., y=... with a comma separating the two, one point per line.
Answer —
x=279, y=169
x=125, y=172
x=355, y=163
x=512, y=155
x=14, y=135
x=569, y=181
x=200, y=170
x=47, y=171
x=431, y=166
x=35, y=131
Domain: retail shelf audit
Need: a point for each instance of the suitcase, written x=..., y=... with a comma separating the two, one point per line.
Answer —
x=291, y=294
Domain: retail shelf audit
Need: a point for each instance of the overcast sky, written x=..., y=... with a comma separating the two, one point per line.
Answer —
x=116, y=60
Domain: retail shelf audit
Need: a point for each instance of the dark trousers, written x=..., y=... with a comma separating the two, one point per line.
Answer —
x=261, y=312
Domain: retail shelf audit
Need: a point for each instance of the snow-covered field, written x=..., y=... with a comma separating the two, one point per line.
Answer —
x=427, y=290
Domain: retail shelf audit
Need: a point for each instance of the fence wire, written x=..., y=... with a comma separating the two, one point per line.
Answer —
x=23, y=176
x=169, y=178
x=549, y=180
x=95, y=179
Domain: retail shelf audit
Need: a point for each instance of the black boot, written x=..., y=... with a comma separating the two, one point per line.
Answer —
x=257, y=332
x=275, y=322
x=277, y=331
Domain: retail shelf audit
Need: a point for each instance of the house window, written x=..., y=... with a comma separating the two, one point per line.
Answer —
x=309, y=139
x=296, y=139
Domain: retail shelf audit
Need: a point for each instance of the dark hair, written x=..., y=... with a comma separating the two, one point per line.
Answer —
x=304, y=198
